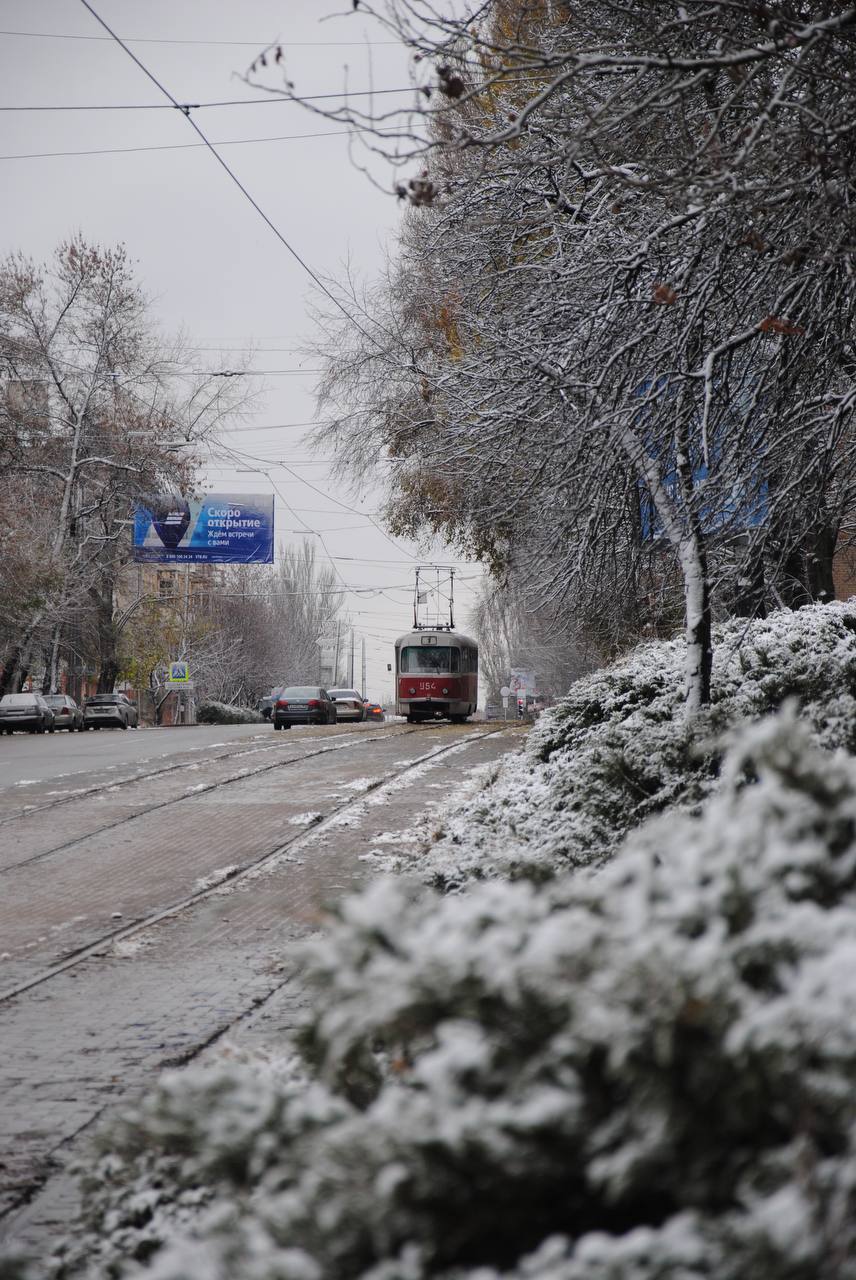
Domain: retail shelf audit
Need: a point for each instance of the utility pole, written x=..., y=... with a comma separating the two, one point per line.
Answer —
x=363, y=686
x=351, y=663
x=336, y=657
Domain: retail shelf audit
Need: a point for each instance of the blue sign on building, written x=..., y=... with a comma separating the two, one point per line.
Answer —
x=221, y=528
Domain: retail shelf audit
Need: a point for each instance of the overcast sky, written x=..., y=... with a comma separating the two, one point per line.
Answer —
x=212, y=266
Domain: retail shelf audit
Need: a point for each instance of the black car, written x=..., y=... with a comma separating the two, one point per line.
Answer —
x=67, y=714
x=25, y=711
x=109, y=710
x=303, y=704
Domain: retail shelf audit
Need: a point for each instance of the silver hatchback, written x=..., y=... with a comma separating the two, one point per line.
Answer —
x=67, y=714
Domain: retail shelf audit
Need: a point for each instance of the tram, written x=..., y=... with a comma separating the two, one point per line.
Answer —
x=436, y=675
x=436, y=668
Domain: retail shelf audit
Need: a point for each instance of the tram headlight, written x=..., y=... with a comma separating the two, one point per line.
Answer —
x=445, y=690
x=412, y=691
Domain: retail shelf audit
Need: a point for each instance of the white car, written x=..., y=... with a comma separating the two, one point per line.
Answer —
x=349, y=704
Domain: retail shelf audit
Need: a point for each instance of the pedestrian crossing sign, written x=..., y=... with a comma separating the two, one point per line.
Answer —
x=179, y=672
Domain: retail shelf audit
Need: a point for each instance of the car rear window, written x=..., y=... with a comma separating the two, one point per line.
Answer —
x=18, y=700
x=345, y=693
x=55, y=699
x=300, y=691
x=103, y=700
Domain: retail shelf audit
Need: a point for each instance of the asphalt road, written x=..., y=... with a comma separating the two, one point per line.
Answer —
x=151, y=909
x=31, y=759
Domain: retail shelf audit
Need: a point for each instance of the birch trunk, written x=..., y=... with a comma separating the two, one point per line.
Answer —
x=699, y=655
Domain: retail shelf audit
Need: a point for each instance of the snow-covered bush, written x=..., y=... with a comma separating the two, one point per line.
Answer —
x=617, y=749
x=644, y=1072
x=223, y=713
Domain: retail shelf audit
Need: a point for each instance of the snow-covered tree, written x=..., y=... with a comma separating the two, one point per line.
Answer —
x=623, y=319
x=96, y=408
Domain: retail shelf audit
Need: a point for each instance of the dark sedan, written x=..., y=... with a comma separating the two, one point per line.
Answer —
x=303, y=704
x=67, y=714
x=25, y=711
x=109, y=710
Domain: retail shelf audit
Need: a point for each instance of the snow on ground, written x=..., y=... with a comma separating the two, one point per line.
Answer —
x=624, y=1047
x=617, y=749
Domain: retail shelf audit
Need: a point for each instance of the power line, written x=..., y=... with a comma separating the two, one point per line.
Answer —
x=249, y=44
x=272, y=226
x=178, y=146
x=186, y=107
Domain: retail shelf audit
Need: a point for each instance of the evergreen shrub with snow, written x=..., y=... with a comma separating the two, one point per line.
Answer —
x=224, y=713
x=617, y=749
x=641, y=1072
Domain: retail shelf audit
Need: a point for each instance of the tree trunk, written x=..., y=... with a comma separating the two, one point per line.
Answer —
x=7, y=672
x=699, y=656
x=51, y=676
x=749, y=596
x=108, y=639
x=821, y=551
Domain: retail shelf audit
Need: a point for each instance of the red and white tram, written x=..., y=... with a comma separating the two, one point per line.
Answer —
x=436, y=675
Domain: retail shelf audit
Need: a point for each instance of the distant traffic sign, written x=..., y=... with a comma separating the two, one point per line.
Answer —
x=179, y=673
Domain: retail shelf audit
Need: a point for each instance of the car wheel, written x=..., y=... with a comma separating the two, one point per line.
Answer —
x=277, y=725
x=40, y=729
x=52, y=729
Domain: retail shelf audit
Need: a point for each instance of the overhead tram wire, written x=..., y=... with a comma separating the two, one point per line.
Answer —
x=176, y=146
x=312, y=532
x=185, y=107
x=185, y=110
x=249, y=44
x=242, y=454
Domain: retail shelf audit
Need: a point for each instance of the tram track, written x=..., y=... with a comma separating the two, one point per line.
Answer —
x=252, y=865
x=350, y=740
x=242, y=749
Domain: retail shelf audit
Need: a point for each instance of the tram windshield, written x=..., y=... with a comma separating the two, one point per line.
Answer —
x=429, y=660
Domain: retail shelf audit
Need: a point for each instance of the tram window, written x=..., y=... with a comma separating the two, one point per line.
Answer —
x=426, y=662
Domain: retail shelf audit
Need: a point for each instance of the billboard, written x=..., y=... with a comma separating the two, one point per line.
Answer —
x=221, y=528
x=522, y=682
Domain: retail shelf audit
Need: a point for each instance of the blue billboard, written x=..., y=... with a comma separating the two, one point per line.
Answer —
x=221, y=528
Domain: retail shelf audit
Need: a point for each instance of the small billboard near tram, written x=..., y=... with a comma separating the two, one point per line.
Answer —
x=221, y=528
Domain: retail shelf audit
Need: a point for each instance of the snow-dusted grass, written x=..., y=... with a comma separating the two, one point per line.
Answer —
x=617, y=749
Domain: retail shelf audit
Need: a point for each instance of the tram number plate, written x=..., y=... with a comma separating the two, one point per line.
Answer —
x=425, y=686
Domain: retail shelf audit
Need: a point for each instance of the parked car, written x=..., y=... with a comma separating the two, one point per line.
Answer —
x=109, y=710
x=303, y=704
x=67, y=714
x=374, y=711
x=265, y=704
x=349, y=704
x=25, y=711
